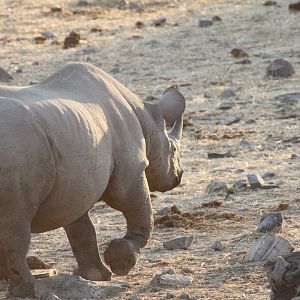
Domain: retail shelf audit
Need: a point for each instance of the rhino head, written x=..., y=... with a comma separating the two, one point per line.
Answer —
x=164, y=171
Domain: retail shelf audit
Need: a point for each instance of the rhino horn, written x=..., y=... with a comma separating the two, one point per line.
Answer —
x=172, y=105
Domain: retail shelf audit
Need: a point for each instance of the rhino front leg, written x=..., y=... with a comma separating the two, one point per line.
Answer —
x=82, y=236
x=121, y=254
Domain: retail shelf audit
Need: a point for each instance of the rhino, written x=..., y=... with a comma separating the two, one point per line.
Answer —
x=73, y=139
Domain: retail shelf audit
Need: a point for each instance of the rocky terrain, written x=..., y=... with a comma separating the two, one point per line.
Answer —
x=237, y=123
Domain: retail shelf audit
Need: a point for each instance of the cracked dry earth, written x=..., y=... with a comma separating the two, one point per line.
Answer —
x=199, y=60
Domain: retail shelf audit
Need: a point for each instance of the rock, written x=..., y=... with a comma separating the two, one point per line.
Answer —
x=268, y=175
x=284, y=279
x=240, y=185
x=271, y=222
x=238, y=53
x=185, y=296
x=83, y=3
x=217, y=246
x=174, y=280
x=49, y=296
x=226, y=106
x=268, y=247
x=227, y=93
x=48, y=34
x=280, y=68
x=245, y=144
x=4, y=76
x=33, y=81
x=170, y=296
x=205, y=23
x=294, y=7
x=115, y=70
x=294, y=156
x=160, y=21
x=35, y=263
x=250, y=121
x=77, y=288
x=180, y=242
x=56, y=9
x=255, y=181
x=292, y=98
x=139, y=24
x=72, y=40
x=213, y=155
x=216, y=186
x=97, y=29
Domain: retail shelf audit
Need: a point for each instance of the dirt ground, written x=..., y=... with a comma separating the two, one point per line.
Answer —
x=149, y=59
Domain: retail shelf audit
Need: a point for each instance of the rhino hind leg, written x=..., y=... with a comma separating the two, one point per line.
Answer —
x=82, y=237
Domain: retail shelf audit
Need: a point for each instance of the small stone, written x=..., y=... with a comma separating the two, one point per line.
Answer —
x=48, y=34
x=33, y=81
x=268, y=247
x=56, y=8
x=185, y=296
x=4, y=76
x=255, y=181
x=217, y=246
x=250, y=121
x=133, y=5
x=226, y=106
x=280, y=68
x=180, y=242
x=238, y=53
x=40, y=39
x=97, y=29
x=205, y=23
x=160, y=21
x=19, y=70
x=212, y=204
x=294, y=7
x=115, y=70
x=227, y=93
x=35, y=263
x=139, y=24
x=72, y=40
x=216, y=186
x=214, y=155
x=240, y=185
x=83, y=3
x=268, y=175
x=245, y=144
x=271, y=222
x=294, y=156
x=175, y=280
x=48, y=296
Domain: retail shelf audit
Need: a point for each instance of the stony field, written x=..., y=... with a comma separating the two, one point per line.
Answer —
x=257, y=132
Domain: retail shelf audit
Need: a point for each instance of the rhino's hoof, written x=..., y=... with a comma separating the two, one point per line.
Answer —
x=22, y=289
x=121, y=256
x=94, y=274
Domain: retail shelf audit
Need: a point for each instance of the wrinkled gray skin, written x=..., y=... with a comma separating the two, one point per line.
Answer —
x=74, y=139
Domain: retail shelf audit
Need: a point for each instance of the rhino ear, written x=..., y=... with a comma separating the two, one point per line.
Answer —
x=171, y=104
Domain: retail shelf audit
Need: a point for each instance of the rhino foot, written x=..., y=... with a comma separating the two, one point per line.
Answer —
x=94, y=274
x=22, y=288
x=121, y=255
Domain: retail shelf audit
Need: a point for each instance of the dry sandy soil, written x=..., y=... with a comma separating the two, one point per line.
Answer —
x=148, y=60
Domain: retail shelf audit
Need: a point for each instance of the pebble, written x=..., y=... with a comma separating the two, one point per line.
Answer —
x=219, y=155
x=217, y=246
x=72, y=40
x=175, y=280
x=250, y=121
x=48, y=34
x=205, y=23
x=227, y=93
x=270, y=3
x=139, y=24
x=280, y=68
x=226, y=106
x=255, y=181
x=170, y=296
x=115, y=70
x=268, y=175
x=245, y=61
x=35, y=263
x=216, y=18
x=160, y=21
x=294, y=156
x=33, y=81
x=216, y=186
x=4, y=76
x=245, y=144
x=83, y=3
x=271, y=222
x=185, y=296
x=180, y=242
